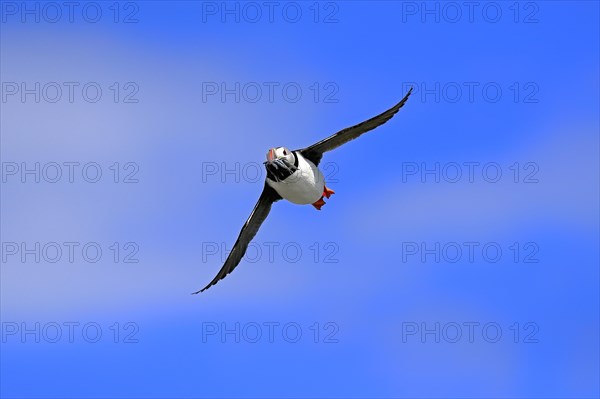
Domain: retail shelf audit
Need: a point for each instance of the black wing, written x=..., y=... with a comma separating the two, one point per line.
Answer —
x=315, y=152
x=257, y=217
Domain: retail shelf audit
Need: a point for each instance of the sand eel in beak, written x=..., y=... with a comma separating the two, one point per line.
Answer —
x=295, y=176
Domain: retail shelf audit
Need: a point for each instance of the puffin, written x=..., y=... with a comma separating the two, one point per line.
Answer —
x=295, y=176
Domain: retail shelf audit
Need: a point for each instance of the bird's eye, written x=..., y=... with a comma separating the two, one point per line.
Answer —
x=285, y=152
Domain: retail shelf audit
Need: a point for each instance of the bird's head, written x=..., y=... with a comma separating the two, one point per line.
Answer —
x=280, y=163
x=279, y=153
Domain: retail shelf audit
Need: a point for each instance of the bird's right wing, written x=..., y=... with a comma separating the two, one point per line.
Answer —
x=257, y=217
x=315, y=152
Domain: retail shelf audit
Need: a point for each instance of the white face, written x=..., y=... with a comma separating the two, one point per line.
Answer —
x=279, y=152
x=280, y=163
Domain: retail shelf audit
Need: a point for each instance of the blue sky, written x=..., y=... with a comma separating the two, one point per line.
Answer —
x=458, y=257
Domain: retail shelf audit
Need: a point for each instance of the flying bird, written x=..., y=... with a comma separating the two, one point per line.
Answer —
x=295, y=176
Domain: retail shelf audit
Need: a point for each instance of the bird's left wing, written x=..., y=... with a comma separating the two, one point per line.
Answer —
x=315, y=152
x=257, y=217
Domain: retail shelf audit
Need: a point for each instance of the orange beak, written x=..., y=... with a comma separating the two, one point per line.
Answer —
x=271, y=154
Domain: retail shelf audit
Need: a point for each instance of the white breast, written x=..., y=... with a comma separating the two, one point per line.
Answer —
x=304, y=186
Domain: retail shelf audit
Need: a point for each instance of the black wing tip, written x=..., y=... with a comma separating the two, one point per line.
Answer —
x=406, y=96
x=200, y=291
x=207, y=287
x=401, y=103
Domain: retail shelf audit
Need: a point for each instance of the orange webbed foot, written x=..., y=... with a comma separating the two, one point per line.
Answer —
x=327, y=192
x=319, y=204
